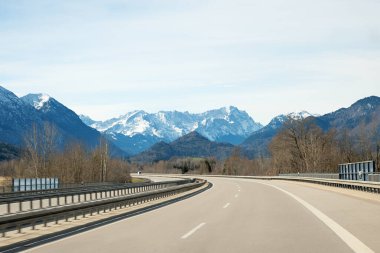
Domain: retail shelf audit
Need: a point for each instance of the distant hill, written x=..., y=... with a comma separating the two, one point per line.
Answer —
x=362, y=116
x=189, y=145
x=365, y=114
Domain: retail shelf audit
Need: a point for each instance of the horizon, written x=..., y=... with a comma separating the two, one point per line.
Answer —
x=190, y=112
x=266, y=58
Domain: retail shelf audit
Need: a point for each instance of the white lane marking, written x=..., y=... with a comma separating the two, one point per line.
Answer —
x=239, y=190
x=193, y=230
x=236, y=195
x=226, y=205
x=354, y=243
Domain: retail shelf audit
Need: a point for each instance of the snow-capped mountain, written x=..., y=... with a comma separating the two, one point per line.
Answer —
x=18, y=116
x=227, y=124
x=37, y=100
x=279, y=120
x=68, y=122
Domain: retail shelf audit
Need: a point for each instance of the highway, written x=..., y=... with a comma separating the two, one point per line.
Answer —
x=243, y=215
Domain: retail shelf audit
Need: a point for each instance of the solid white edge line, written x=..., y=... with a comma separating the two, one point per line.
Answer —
x=193, y=231
x=354, y=243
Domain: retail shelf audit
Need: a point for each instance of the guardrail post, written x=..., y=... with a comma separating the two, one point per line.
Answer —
x=20, y=206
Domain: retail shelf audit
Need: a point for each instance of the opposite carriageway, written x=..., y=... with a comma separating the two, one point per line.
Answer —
x=17, y=202
x=97, y=201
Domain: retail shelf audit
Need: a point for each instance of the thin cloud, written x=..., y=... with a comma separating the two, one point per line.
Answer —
x=266, y=57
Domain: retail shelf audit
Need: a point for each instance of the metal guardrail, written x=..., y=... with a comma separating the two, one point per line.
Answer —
x=66, y=196
x=367, y=186
x=31, y=218
x=314, y=175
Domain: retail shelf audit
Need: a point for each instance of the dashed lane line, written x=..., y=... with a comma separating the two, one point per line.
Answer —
x=193, y=230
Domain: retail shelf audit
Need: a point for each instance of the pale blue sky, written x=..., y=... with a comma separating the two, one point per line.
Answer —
x=104, y=58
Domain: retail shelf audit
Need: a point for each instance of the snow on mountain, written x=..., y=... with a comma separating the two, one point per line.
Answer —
x=227, y=124
x=39, y=101
x=300, y=115
x=279, y=120
x=10, y=99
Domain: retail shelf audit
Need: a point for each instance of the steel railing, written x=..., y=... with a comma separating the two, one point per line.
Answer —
x=30, y=218
x=16, y=202
x=366, y=186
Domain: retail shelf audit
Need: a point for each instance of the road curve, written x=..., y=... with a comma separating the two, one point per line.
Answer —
x=242, y=215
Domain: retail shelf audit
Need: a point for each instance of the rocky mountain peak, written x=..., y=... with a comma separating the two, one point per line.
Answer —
x=38, y=101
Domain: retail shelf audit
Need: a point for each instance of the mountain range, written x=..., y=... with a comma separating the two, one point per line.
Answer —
x=137, y=131
x=154, y=136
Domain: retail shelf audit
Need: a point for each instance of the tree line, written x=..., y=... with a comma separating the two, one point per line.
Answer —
x=43, y=156
x=300, y=146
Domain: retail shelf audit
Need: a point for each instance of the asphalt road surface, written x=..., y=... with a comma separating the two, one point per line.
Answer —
x=242, y=215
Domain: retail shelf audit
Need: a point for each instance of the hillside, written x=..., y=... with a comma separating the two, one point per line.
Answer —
x=190, y=145
x=362, y=117
x=19, y=116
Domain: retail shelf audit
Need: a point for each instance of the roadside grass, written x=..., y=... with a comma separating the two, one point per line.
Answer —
x=135, y=180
